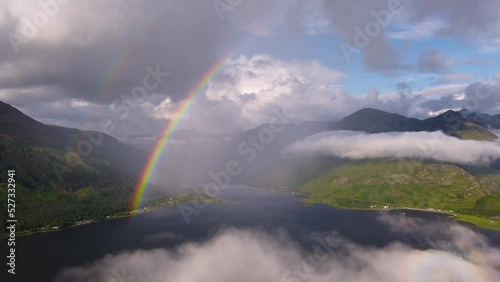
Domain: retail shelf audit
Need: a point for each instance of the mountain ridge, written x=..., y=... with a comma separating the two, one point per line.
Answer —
x=108, y=173
x=64, y=175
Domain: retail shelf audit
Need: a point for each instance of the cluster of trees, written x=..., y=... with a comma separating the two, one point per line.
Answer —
x=45, y=209
x=93, y=189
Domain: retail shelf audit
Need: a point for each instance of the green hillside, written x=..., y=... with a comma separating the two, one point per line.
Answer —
x=440, y=187
x=56, y=185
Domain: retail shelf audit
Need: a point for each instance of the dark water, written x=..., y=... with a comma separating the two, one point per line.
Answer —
x=41, y=256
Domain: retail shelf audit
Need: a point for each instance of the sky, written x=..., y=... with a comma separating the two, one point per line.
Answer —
x=133, y=63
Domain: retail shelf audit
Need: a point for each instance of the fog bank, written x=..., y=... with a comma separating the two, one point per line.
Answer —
x=419, y=145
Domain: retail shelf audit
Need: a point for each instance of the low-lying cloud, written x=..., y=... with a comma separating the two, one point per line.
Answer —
x=246, y=255
x=419, y=145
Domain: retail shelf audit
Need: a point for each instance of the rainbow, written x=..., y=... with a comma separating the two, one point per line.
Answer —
x=172, y=125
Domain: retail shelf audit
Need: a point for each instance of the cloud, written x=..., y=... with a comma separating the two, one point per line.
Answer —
x=420, y=31
x=418, y=21
x=403, y=88
x=307, y=89
x=420, y=145
x=310, y=18
x=481, y=96
x=496, y=132
x=272, y=83
x=434, y=61
x=347, y=17
x=96, y=51
x=472, y=23
x=425, y=231
x=447, y=78
x=245, y=255
x=244, y=95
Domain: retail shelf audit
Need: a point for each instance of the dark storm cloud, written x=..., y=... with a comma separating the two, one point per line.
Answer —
x=434, y=61
x=352, y=18
x=380, y=56
x=468, y=19
x=403, y=87
x=97, y=50
x=483, y=96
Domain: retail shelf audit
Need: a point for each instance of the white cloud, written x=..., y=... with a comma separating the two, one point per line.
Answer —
x=457, y=77
x=437, y=113
x=242, y=255
x=249, y=88
x=77, y=103
x=256, y=84
x=435, y=92
x=420, y=31
x=307, y=89
x=496, y=132
x=421, y=145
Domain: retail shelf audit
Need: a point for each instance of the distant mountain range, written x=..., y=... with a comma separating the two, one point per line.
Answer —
x=65, y=175
x=463, y=124
x=470, y=193
x=23, y=138
x=460, y=124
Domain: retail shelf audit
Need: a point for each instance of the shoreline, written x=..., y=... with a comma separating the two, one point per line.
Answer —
x=477, y=221
x=462, y=218
x=146, y=210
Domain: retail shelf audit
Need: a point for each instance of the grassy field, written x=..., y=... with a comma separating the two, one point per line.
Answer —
x=439, y=187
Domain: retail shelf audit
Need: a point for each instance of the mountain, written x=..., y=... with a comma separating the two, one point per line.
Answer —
x=269, y=168
x=258, y=150
x=471, y=194
x=266, y=156
x=409, y=184
x=376, y=121
x=452, y=123
x=64, y=175
x=59, y=152
x=458, y=125
x=484, y=120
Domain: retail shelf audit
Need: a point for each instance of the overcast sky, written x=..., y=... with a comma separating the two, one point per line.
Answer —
x=76, y=63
